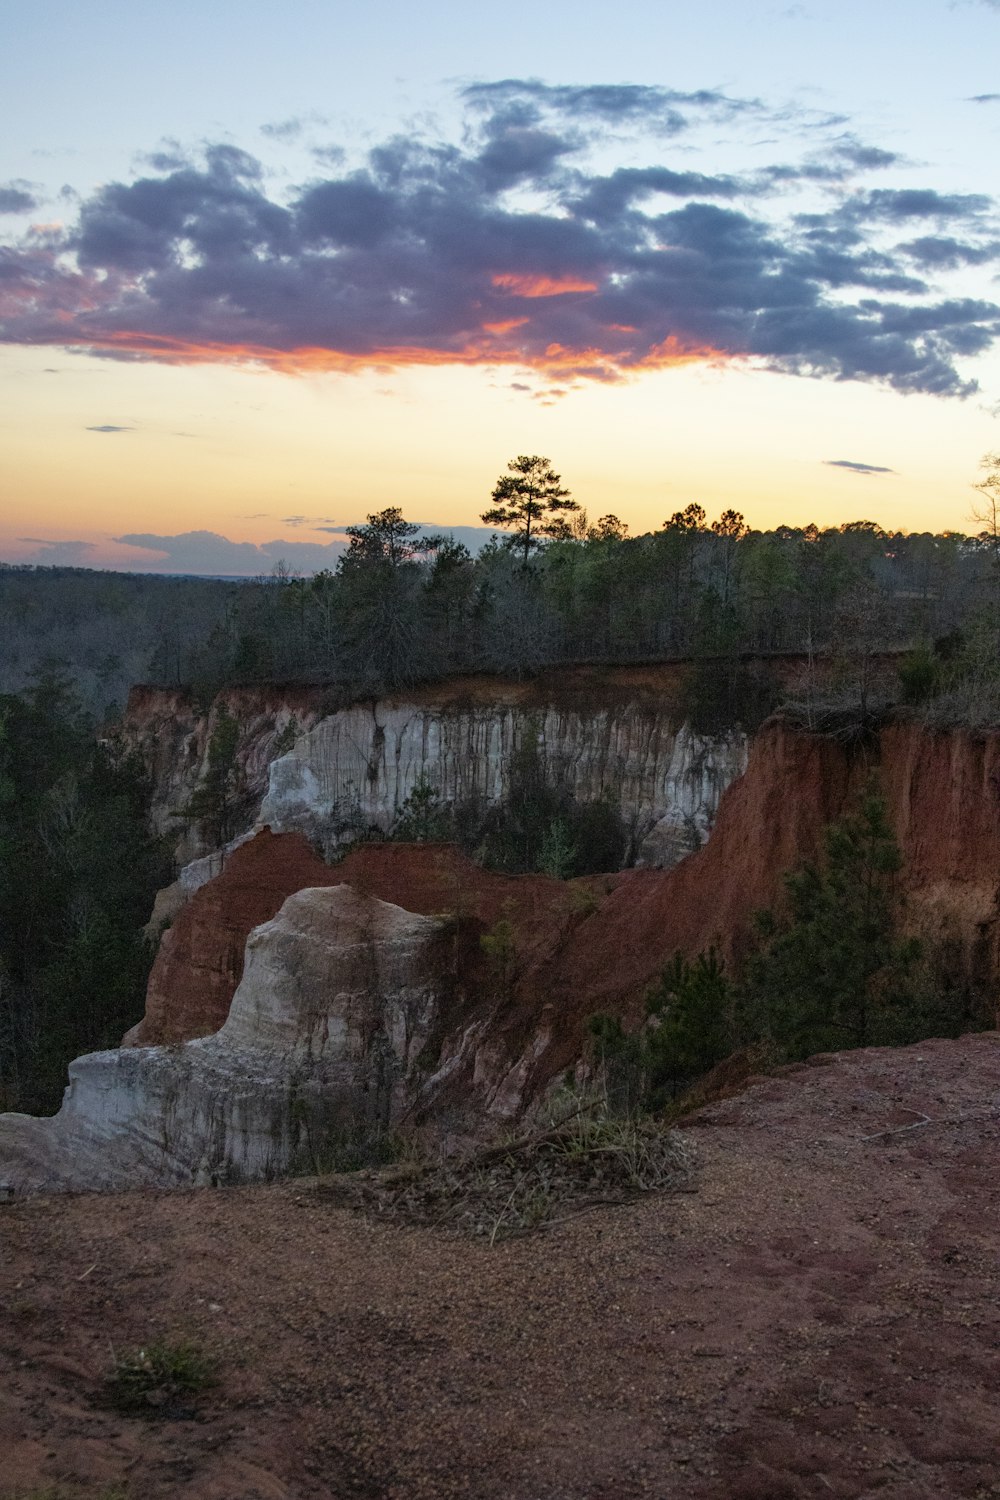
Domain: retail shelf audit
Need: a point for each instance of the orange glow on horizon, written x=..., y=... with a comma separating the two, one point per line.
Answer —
x=541, y=286
x=506, y=325
x=556, y=359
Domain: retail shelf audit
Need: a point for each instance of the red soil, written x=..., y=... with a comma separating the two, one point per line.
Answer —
x=598, y=944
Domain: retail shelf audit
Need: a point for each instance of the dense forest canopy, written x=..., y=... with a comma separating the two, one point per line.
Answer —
x=399, y=609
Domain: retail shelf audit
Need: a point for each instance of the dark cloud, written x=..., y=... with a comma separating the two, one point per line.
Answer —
x=863, y=157
x=67, y=554
x=209, y=554
x=983, y=99
x=856, y=468
x=942, y=252
x=18, y=197
x=508, y=249
x=666, y=110
x=918, y=203
x=110, y=427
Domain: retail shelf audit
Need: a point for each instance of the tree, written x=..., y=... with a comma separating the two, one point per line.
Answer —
x=834, y=973
x=531, y=503
x=214, y=803
x=986, y=514
x=379, y=596
x=386, y=538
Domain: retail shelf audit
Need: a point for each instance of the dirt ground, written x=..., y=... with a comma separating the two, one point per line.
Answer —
x=820, y=1317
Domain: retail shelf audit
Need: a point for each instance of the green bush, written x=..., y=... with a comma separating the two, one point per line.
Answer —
x=159, y=1378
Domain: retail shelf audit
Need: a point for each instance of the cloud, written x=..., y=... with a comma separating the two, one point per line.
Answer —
x=208, y=554
x=282, y=130
x=67, y=554
x=318, y=523
x=983, y=99
x=18, y=197
x=945, y=252
x=292, y=128
x=918, y=203
x=510, y=248
x=856, y=468
x=109, y=427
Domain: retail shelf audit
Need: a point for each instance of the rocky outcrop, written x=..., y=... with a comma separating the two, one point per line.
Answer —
x=354, y=771
x=172, y=733
x=617, y=734
x=460, y=1033
x=943, y=794
x=199, y=961
x=598, y=944
x=339, y=996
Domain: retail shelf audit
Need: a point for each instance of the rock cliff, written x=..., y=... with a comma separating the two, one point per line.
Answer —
x=354, y=771
x=617, y=734
x=598, y=944
x=339, y=995
x=172, y=732
x=493, y=1029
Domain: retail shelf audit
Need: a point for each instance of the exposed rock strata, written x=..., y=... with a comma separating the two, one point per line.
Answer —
x=598, y=944
x=172, y=733
x=339, y=996
x=616, y=733
x=491, y=1038
x=355, y=770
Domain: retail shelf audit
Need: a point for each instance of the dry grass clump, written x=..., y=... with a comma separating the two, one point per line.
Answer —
x=160, y=1379
x=587, y=1158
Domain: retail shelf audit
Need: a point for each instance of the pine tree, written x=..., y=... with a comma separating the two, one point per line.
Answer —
x=529, y=500
x=833, y=973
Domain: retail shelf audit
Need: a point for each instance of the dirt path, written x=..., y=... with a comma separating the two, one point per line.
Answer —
x=822, y=1317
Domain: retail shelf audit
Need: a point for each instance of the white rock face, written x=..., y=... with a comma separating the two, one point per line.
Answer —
x=338, y=996
x=355, y=769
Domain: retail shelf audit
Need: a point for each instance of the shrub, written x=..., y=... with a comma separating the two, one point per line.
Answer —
x=159, y=1379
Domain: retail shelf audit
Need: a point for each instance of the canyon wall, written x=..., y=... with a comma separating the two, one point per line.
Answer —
x=496, y=1027
x=598, y=944
x=616, y=734
x=171, y=730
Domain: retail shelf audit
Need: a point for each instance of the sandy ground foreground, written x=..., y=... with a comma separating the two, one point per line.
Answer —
x=821, y=1317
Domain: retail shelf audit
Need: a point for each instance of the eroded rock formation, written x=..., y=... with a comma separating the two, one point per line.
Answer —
x=339, y=996
x=172, y=733
x=616, y=733
x=355, y=770
x=598, y=944
x=462, y=1035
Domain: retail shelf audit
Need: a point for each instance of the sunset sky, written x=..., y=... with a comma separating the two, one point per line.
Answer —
x=267, y=268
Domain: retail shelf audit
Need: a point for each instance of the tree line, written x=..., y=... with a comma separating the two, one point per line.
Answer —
x=78, y=873
x=551, y=588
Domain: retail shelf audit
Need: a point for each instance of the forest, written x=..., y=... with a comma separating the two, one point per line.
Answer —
x=551, y=588
x=910, y=618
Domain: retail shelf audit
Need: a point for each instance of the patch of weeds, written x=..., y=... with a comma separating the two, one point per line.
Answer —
x=161, y=1379
x=586, y=1157
x=327, y=1148
x=583, y=901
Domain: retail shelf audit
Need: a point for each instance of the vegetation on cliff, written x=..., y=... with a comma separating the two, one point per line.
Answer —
x=832, y=969
x=78, y=870
x=401, y=607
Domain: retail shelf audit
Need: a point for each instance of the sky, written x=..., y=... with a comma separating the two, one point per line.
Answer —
x=266, y=269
